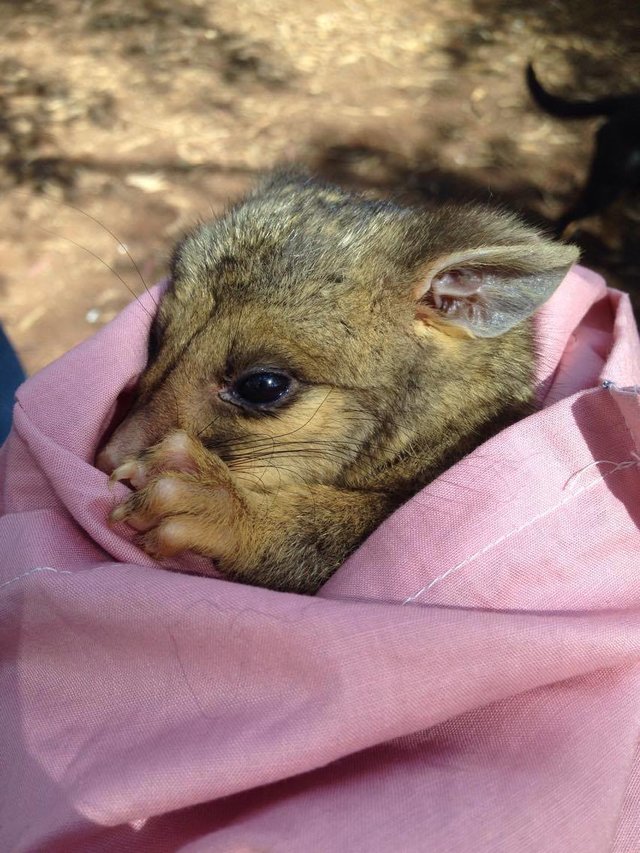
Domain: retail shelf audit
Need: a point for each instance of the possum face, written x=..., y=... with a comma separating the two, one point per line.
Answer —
x=312, y=336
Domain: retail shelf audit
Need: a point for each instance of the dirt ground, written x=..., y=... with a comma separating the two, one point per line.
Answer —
x=122, y=123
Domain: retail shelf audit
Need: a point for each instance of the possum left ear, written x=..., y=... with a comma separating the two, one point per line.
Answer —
x=485, y=292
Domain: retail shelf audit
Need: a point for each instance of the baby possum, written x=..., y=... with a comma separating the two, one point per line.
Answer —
x=318, y=358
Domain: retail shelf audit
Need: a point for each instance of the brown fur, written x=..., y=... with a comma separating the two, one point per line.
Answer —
x=394, y=385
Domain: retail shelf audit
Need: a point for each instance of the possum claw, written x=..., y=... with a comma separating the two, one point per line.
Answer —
x=132, y=471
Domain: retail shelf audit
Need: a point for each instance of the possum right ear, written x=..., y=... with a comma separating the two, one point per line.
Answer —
x=487, y=291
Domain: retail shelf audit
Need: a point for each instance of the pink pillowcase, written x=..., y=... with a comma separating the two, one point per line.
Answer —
x=467, y=681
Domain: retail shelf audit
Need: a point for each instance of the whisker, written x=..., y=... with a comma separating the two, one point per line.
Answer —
x=102, y=261
x=104, y=228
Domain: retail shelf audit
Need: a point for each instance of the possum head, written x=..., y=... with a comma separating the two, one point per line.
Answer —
x=314, y=336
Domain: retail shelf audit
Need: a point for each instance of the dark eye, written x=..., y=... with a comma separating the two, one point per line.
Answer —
x=262, y=389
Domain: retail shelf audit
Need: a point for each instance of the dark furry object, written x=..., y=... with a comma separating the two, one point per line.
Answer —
x=615, y=167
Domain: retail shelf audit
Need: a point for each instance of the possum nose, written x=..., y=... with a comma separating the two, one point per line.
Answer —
x=127, y=441
x=108, y=459
x=115, y=453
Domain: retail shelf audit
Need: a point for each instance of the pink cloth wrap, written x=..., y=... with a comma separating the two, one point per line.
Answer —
x=467, y=681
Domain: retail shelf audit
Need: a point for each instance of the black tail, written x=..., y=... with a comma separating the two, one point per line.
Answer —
x=562, y=108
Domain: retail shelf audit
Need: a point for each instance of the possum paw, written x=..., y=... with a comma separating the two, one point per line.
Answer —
x=184, y=499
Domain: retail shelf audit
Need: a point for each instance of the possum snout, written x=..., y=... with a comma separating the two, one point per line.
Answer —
x=153, y=417
x=130, y=438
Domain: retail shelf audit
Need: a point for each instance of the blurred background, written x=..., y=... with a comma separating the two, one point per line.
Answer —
x=139, y=118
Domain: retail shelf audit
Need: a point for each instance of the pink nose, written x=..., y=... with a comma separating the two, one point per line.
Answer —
x=128, y=440
x=108, y=459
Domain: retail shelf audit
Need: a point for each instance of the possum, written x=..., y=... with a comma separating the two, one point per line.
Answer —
x=317, y=358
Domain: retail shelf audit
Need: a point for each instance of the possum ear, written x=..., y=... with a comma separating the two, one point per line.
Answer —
x=485, y=292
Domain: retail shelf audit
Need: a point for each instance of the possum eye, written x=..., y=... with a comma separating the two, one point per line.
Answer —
x=260, y=390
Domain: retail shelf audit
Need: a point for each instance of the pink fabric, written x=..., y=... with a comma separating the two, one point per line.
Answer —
x=468, y=681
